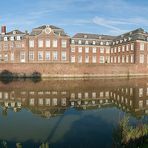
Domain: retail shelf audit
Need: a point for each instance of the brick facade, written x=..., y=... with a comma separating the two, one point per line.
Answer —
x=49, y=50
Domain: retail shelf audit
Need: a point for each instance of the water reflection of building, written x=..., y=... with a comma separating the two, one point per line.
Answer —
x=51, y=98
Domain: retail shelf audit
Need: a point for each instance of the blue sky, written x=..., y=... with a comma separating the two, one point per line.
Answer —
x=90, y=16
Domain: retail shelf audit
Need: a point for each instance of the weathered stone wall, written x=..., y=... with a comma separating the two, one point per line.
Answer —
x=77, y=70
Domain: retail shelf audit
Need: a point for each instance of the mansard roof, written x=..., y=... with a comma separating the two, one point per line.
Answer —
x=56, y=30
x=14, y=32
x=137, y=34
x=50, y=26
x=93, y=36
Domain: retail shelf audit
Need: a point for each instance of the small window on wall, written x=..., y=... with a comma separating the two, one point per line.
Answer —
x=101, y=59
x=18, y=38
x=47, y=55
x=40, y=43
x=40, y=55
x=80, y=49
x=63, y=56
x=72, y=49
x=94, y=50
x=64, y=43
x=141, y=46
x=141, y=58
x=31, y=43
x=55, y=55
x=86, y=59
x=79, y=59
x=132, y=46
x=47, y=43
x=31, y=55
x=132, y=58
x=72, y=59
x=5, y=38
x=107, y=50
x=94, y=59
x=101, y=50
x=55, y=43
x=86, y=49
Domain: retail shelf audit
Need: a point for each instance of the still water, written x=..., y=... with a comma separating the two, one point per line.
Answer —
x=69, y=113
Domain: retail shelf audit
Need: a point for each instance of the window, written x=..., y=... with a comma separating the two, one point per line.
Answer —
x=79, y=59
x=94, y=50
x=86, y=42
x=86, y=59
x=79, y=42
x=107, y=60
x=127, y=59
x=31, y=43
x=40, y=43
x=18, y=38
x=40, y=101
x=22, y=56
x=72, y=59
x=40, y=55
x=5, y=38
x=31, y=55
x=123, y=48
x=127, y=48
x=115, y=49
x=47, y=55
x=6, y=57
x=86, y=49
x=141, y=46
x=119, y=49
x=80, y=49
x=12, y=56
x=111, y=59
x=47, y=43
x=55, y=55
x=72, y=41
x=55, y=43
x=141, y=58
x=94, y=42
x=140, y=92
x=118, y=59
x=94, y=59
x=115, y=59
x=64, y=43
x=101, y=59
x=123, y=59
x=72, y=49
x=132, y=46
x=132, y=58
x=63, y=56
x=101, y=50
x=107, y=50
x=47, y=101
x=5, y=46
x=12, y=38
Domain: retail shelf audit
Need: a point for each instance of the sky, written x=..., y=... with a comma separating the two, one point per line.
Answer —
x=112, y=17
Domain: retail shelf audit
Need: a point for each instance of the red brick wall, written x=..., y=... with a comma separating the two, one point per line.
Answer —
x=77, y=69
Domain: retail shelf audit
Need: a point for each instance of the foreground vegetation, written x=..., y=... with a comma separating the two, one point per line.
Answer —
x=128, y=136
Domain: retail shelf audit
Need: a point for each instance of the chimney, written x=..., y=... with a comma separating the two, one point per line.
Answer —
x=3, y=30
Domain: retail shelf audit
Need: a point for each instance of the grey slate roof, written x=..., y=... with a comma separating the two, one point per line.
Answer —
x=138, y=34
x=16, y=32
x=93, y=36
x=44, y=26
x=57, y=30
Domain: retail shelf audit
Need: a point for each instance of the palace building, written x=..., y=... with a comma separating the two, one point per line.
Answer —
x=50, y=44
x=49, y=51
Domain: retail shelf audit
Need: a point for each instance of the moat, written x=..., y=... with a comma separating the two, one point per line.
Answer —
x=69, y=113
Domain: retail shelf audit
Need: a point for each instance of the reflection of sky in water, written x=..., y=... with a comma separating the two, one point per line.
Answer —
x=73, y=128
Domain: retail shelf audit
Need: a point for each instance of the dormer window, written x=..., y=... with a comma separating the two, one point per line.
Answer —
x=125, y=39
x=101, y=43
x=14, y=32
x=72, y=41
x=5, y=38
x=85, y=36
x=12, y=38
x=79, y=42
x=121, y=41
x=113, y=43
x=18, y=38
x=94, y=42
x=129, y=38
x=117, y=42
x=86, y=42
x=107, y=43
